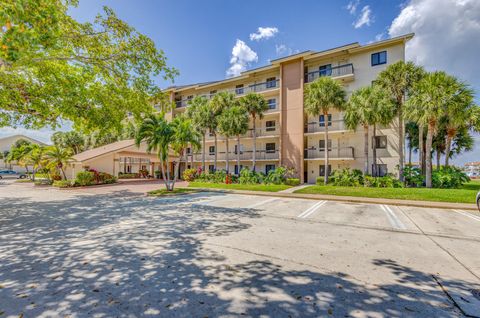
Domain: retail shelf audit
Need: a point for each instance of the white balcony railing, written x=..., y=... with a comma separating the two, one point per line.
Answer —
x=333, y=153
x=333, y=125
x=336, y=71
x=244, y=155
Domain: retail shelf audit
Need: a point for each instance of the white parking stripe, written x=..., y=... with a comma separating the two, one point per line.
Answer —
x=476, y=218
x=261, y=203
x=392, y=218
x=311, y=209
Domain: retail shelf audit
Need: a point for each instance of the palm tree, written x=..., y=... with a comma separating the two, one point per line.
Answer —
x=359, y=111
x=460, y=114
x=58, y=157
x=428, y=103
x=411, y=134
x=218, y=104
x=19, y=153
x=398, y=79
x=322, y=96
x=235, y=119
x=157, y=133
x=255, y=105
x=36, y=158
x=184, y=134
x=199, y=113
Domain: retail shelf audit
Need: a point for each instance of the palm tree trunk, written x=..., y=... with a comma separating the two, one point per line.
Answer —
x=216, y=150
x=226, y=153
x=33, y=174
x=439, y=154
x=63, y=172
x=421, y=157
x=374, y=151
x=203, y=153
x=162, y=167
x=254, y=157
x=238, y=154
x=428, y=156
x=448, y=147
x=325, y=180
x=365, y=149
x=177, y=169
x=167, y=163
x=409, y=154
x=400, y=141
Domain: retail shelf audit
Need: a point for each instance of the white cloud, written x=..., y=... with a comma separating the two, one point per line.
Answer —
x=263, y=33
x=242, y=56
x=283, y=49
x=352, y=6
x=447, y=37
x=365, y=18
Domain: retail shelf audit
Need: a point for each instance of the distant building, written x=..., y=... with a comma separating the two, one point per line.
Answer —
x=5, y=145
x=472, y=169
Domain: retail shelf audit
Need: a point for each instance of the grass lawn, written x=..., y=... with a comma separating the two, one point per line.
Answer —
x=250, y=187
x=164, y=192
x=466, y=194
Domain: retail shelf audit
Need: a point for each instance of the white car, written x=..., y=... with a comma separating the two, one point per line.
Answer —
x=10, y=174
x=478, y=200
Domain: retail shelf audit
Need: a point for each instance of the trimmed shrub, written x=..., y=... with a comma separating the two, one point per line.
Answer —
x=449, y=177
x=413, y=176
x=63, y=183
x=85, y=178
x=319, y=180
x=250, y=177
x=292, y=181
x=277, y=176
x=347, y=178
x=189, y=174
x=128, y=176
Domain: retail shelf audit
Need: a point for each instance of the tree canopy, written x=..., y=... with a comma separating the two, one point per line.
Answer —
x=53, y=67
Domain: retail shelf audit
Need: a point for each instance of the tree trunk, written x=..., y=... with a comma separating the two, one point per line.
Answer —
x=410, y=154
x=226, y=153
x=439, y=154
x=448, y=147
x=325, y=180
x=63, y=172
x=421, y=157
x=203, y=153
x=177, y=169
x=374, y=152
x=428, y=156
x=167, y=163
x=365, y=150
x=254, y=158
x=215, y=155
x=162, y=167
x=238, y=154
x=33, y=174
x=400, y=141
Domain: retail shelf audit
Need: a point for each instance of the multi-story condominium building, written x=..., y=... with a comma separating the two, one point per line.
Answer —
x=472, y=169
x=286, y=135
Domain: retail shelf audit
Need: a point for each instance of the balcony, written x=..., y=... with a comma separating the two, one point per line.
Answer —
x=345, y=70
x=244, y=155
x=346, y=153
x=333, y=125
x=181, y=103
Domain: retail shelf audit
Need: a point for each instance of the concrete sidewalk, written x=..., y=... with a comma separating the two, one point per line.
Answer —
x=414, y=203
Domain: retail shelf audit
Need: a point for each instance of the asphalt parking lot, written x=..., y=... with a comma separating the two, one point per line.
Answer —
x=121, y=254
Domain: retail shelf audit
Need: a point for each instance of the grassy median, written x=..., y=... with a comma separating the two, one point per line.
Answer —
x=249, y=187
x=466, y=194
x=175, y=191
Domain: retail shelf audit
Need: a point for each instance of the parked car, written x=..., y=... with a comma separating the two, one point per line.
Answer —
x=10, y=174
x=478, y=200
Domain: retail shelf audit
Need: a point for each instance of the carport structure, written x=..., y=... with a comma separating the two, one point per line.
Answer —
x=119, y=157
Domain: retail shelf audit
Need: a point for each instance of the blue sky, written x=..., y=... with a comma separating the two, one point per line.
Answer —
x=204, y=39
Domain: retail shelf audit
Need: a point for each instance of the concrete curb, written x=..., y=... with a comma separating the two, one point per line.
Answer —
x=413, y=203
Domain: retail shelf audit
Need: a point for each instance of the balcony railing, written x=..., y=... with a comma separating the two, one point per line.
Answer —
x=333, y=125
x=253, y=88
x=335, y=71
x=244, y=155
x=333, y=153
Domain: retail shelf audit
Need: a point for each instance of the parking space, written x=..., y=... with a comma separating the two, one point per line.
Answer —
x=117, y=253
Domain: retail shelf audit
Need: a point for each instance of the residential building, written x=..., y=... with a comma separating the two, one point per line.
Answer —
x=5, y=145
x=287, y=135
x=472, y=169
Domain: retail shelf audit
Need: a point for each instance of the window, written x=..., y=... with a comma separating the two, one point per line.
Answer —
x=189, y=97
x=236, y=169
x=239, y=89
x=325, y=70
x=271, y=82
x=268, y=168
x=321, y=169
x=381, y=142
x=272, y=103
x=270, y=125
x=241, y=149
x=211, y=150
x=213, y=92
x=270, y=147
x=321, y=144
x=211, y=168
x=188, y=150
x=379, y=58
x=321, y=120
x=382, y=170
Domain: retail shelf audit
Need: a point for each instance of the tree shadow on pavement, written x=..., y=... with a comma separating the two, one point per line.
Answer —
x=120, y=256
